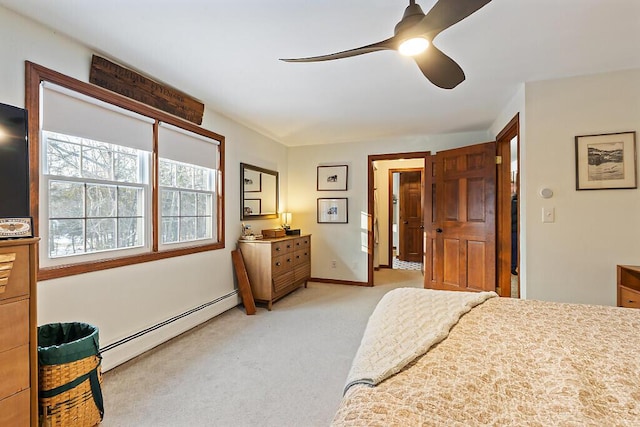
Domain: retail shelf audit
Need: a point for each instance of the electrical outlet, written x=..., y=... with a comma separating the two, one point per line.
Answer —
x=334, y=263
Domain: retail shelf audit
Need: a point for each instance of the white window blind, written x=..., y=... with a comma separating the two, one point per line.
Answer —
x=187, y=147
x=94, y=180
x=68, y=112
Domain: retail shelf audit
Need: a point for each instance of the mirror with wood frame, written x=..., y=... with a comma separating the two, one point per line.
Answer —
x=258, y=193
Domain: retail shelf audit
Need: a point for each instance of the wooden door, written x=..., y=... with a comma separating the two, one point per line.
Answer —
x=460, y=219
x=411, y=218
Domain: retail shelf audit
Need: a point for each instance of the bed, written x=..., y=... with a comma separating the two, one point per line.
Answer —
x=440, y=358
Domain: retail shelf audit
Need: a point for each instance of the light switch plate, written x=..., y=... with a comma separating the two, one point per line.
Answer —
x=548, y=215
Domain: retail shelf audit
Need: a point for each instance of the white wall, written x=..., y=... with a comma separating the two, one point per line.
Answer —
x=346, y=243
x=574, y=259
x=126, y=300
x=514, y=106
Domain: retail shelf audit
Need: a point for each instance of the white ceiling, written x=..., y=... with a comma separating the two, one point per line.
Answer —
x=225, y=53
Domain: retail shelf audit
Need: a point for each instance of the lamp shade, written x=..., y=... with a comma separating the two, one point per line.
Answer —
x=286, y=218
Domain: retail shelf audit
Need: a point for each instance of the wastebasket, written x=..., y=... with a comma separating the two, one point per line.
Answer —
x=69, y=375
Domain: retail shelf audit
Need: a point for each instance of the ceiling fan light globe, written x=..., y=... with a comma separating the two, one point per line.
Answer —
x=413, y=47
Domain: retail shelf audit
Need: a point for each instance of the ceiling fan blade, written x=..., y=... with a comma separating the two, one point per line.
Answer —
x=445, y=13
x=390, y=43
x=441, y=70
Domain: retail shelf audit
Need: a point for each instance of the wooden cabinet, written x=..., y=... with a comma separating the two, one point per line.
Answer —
x=277, y=266
x=18, y=329
x=629, y=286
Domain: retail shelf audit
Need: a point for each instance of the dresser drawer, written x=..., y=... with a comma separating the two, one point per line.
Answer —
x=302, y=272
x=14, y=324
x=14, y=271
x=301, y=243
x=279, y=248
x=301, y=257
x=14, y=410
x=281, y=264
x=629, y=298
x=282, y=282
x=14, y=371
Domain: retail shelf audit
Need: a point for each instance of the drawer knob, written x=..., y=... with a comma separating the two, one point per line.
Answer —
x=278, y=249
x=631, y=301
x=288, y=259
x=278, y=264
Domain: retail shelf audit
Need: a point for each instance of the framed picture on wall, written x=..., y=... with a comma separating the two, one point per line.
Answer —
x=606, y=161
x=333, y=211
x=332, y=178
x=252, y=181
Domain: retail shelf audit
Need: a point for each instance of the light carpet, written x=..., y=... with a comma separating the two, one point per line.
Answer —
x=283, y=368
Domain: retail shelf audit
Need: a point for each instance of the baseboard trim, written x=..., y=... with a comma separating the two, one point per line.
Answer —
x=339, y=282
x=124, y=349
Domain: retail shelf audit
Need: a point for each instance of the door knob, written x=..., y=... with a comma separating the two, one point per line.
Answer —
x=438, y=230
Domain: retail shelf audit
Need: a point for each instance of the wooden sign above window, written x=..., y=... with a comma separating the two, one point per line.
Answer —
x=116, y=78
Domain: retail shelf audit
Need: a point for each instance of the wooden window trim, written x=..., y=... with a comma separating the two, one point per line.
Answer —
x=34, y=75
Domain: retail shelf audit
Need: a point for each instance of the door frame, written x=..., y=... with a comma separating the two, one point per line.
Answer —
x=422, y=196
x=370, y=199
x=503, y=206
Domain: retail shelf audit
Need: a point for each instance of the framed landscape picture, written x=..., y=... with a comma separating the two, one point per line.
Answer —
x=333, y=211
x=606, y=161
x=332, y=178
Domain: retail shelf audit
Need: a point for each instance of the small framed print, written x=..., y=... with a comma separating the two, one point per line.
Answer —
x=333, y=211
x=332, y=178
x=252, y=181
x=252, y=206
x=606, y=161
x=14, y=228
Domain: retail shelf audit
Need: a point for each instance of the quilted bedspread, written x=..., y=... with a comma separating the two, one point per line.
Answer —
x=405, y=324
x=510, y=362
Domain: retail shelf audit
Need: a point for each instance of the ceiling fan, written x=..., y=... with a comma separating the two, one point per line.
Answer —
x=413, y=36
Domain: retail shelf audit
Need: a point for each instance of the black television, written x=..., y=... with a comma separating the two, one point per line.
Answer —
x=14, y=162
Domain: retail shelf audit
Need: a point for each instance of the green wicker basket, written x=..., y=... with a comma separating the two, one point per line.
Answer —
x=69, y=375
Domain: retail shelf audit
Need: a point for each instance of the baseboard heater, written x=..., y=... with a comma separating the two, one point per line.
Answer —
x=166, y=322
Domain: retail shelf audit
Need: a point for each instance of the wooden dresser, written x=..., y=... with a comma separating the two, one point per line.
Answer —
x=629, y=286
x=18, y=329
x=276, y=266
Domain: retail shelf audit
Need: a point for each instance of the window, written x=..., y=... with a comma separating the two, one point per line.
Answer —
x=186, y=193
x=119, y=182
x=97, y=195
x=187, y=177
